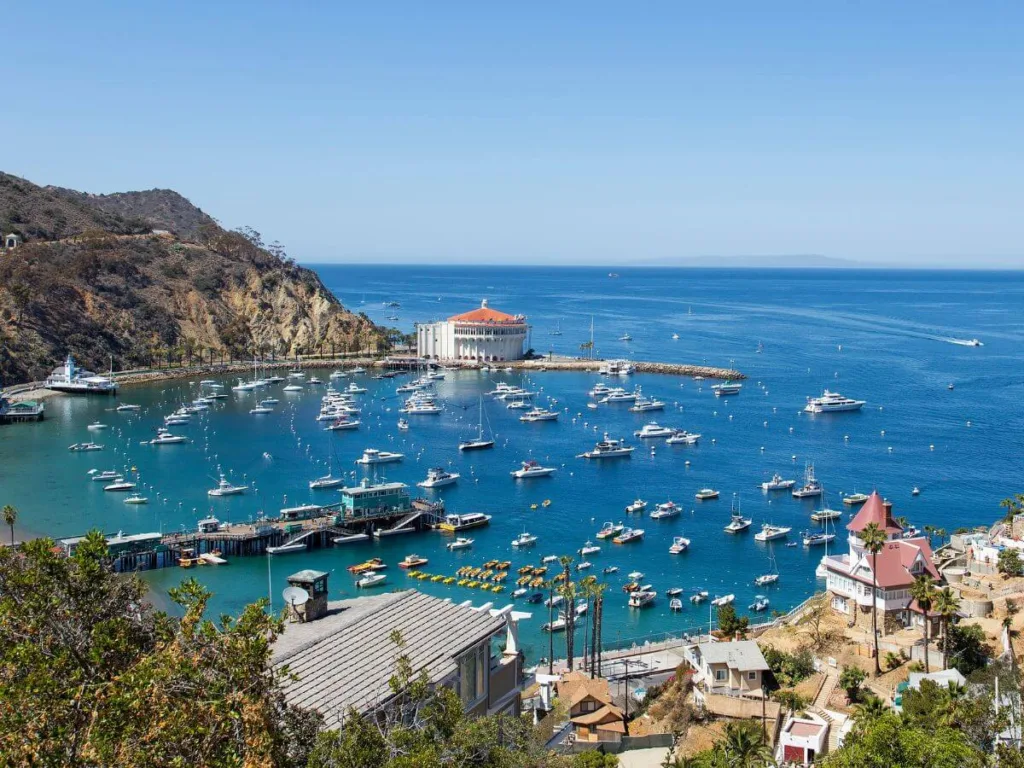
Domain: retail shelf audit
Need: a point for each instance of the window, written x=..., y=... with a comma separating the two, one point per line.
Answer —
x=751, y=675
x=721, y=675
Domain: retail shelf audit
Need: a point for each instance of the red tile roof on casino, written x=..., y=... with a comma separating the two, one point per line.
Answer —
x=485, y=315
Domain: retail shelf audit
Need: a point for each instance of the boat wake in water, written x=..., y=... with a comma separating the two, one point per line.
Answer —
x=964, y=342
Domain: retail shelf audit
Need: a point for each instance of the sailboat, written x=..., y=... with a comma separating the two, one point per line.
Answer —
x=558, y=329
x=328, y=480
x=479, y=443
x=773, y=572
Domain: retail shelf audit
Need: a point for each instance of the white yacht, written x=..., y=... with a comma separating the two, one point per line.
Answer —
x=682, y=437
x=811, y=486
x=403, y=425
x=96, y=425
x=706, y=494
x=770, y=532
x=164, y=437
x=85, y=447
x=738, y=523
x=325, y=482
x=373, y=456
x=589, y=548
x=637, y=507
x=261, y=409
x=291, y=388
x=629, y=535
x=342, y=422
x=824, y=514
x=665, y=510
x=760, y=604
x=479, y=442
x=532, y=469
x=777, y=483
x=675, y=604
x=358, y=370
x=644, y=404
x=105, y=475
x=723, y=600
x=609, y=529
x=136, y=499
x=438, y=477
x=371, y=579
x=726, y=388
x=70, y=378
x=226, y=488
x=607, y=449
x=619, y=395
x=641, y=598
x=814, y=539
x=699, y=596
x=652, y=431
x=832, y=402
x=355, y=389
x=128, y=407
x=421, y=407
x=539, y=414
x=617, y=368
x=600, y=390
x=460, y=543
x=524, y=539
x=679, y=545
x=120, y=484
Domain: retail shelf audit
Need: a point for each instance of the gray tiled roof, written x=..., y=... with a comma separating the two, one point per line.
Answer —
x=743, y=655
x=346, y=658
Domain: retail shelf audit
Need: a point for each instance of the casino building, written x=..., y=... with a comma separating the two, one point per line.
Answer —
x=484, y=335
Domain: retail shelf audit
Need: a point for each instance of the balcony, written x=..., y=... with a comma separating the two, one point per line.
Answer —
x=504, y=683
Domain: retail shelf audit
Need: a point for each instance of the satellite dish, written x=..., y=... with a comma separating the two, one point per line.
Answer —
x=295, y=596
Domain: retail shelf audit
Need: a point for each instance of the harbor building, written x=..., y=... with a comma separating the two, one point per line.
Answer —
x=372, y=500
x=344, y=659
x=480, y=335
x=850, y=580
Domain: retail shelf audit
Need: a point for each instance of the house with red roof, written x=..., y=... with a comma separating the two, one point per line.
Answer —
x=484, y=334
x=850, y=578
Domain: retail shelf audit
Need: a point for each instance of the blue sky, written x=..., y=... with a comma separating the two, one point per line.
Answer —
x=545, y=132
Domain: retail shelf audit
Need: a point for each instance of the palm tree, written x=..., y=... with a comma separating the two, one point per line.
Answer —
x=872, y=709
x=586, y=590
x=10, y=517
x=744, y=746
x=568, y=592
x=946, y=605
x=923, y=590
x=874, y=539
x=595, y=639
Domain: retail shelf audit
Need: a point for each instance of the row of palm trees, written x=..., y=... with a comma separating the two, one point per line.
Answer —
x=930, y=599
x=592, y=591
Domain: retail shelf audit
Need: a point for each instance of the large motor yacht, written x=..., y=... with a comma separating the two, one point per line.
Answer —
x=226, y=488
x=832, y=402
x=653, y=430
x=438, y=477
x=811, y=486
x=607, y=449
x=373, y=456
x=532, y=469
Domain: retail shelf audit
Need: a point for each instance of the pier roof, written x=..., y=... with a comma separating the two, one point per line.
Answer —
x=346, y=658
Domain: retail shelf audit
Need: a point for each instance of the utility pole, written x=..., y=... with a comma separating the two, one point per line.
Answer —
x=551, y=633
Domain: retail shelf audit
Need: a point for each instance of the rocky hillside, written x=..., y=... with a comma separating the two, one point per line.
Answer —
x=93, y=279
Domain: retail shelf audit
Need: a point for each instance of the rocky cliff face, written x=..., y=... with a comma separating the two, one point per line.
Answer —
x=92, y=279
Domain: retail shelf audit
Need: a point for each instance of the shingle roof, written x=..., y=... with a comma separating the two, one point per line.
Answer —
x=744, y=655
x=874, y=511
x=607, y=718
x=346, y=658
x=895, y=561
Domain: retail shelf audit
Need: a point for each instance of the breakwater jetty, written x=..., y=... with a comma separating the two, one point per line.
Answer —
x=669, y=369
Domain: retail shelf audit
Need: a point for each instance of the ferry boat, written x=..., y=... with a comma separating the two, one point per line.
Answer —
x=610, y=529
x=460, y=543
x=771, y=532
x=653, y=430
x=679, y=545
x=832, y=402
x=628, y=535
x=705, y=494
x=726, y=388
x=777, y=483
x=70, y=378
x=225, y=488
x=539, y=414
x=607, y=449
x=524, y=539
x=374, y=456
x=532, y=469
x=85, y=447
x=642, y=597
x=456, y=523
x=438, y=477
x=682, y=437
x=637, y=507
x=665, y=510
x=855, y=498
x=811, y=486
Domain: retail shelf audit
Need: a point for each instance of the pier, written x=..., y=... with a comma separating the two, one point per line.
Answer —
x=314, y=525
x=23, y=410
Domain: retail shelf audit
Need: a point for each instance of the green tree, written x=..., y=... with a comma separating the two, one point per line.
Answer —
x=594, y=759
x=850, y=681
x=923, y=591
x=729, y=623
x=874, y=538
x=89, y=675
x=965, y=647
x=889, y=742
x=869, y=711
x=1013, y=506
x=744, y=746
x=1009, y=562
x=568, y=592
x=946, y=605
x=10, y=518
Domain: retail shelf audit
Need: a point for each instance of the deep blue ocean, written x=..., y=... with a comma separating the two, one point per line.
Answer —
x=882, y=336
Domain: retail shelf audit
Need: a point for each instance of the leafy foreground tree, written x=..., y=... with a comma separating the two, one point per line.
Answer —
x=89, y=675
x=741, y=747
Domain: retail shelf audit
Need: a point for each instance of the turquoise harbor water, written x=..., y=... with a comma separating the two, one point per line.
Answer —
x=879, y=336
